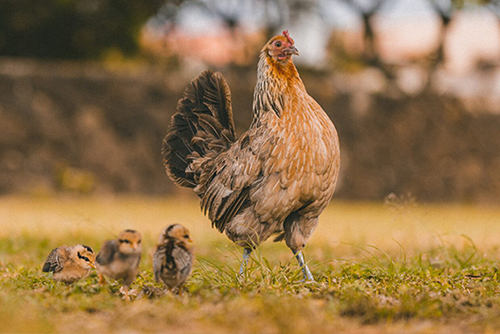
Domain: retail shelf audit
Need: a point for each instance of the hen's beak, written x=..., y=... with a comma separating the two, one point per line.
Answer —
x=292, y=50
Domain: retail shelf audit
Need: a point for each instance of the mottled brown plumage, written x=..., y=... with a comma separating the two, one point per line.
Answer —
x=278, y=177
x=69, y=264
x=173, y=257
x=119, y=259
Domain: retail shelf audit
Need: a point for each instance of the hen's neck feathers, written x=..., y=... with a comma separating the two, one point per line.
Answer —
x=274, y=81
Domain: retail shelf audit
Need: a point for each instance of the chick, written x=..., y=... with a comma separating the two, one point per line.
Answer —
x=119, y=259
x=69, y=264
x=173, y=258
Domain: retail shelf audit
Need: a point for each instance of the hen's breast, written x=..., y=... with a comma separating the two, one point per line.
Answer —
x=301, y=165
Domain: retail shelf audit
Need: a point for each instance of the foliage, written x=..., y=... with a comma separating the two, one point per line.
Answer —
x=71, y=29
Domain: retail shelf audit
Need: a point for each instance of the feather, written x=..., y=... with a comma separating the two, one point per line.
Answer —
x=203, y=116
x=173, y=259
x=53, y=262
x=107, y=253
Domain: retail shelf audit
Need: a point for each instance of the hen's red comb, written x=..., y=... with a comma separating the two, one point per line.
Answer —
x=285, y=33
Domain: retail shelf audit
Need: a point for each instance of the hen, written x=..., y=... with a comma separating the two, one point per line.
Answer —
x=276, y=178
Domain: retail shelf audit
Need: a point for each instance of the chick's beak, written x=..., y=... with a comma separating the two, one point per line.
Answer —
x=292, y=50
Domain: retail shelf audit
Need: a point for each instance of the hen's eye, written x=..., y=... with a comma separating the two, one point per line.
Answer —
x=277, y=44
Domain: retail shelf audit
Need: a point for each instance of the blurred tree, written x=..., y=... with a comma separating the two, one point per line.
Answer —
x=367, y=12
x=72, y=29
x=445, y=10
x=494, y=7
x=271, y=14
x=370, y=56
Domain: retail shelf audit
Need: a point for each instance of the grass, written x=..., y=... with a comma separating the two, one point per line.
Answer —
x=393, y=267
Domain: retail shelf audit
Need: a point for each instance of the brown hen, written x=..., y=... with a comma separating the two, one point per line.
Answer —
x=279, y=176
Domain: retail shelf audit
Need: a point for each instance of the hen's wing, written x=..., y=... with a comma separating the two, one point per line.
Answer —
x=54, y=260
x=107, y=252
x=228, y=181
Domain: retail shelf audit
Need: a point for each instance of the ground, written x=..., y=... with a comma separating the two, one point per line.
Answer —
x=391, y=267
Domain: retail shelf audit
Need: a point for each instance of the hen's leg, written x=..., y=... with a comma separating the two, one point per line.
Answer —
x=246, y=256
x=305, y=269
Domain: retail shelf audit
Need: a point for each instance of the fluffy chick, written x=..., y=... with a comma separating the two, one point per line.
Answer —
x=173, y=258
x=69, y=264
x=120, y=258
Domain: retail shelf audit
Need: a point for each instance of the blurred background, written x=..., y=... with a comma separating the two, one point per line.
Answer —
x=87, y=89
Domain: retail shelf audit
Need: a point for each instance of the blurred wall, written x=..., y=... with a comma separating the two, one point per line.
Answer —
x=86, y=129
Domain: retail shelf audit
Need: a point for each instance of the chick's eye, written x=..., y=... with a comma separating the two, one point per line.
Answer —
x=83, y=257
x=277, y=44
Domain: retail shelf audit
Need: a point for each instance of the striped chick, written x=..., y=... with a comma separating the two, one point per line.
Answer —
x=70, y=263
x=173, y=258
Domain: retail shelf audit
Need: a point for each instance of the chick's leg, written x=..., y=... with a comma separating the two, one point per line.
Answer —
x=246, y=255
x=125, y=292
x=102, y=280
x=305, y=269
x=127, y=282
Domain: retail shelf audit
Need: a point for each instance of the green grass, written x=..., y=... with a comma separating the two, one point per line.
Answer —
x=394, y=267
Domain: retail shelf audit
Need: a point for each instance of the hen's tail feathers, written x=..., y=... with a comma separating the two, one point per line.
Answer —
x=201, y=129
